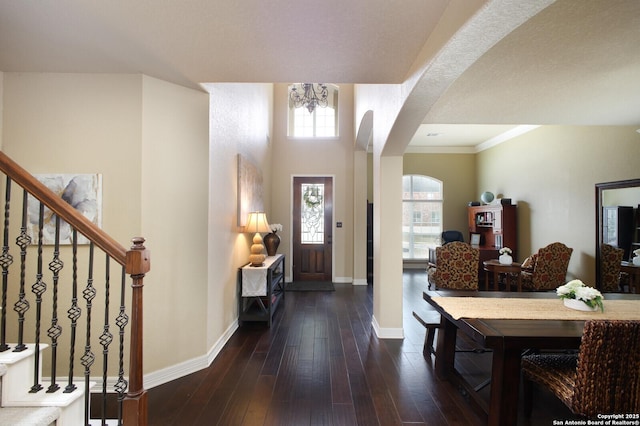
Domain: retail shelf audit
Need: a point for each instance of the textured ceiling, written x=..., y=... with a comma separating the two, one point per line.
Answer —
x=199, y=41
x=576, y=62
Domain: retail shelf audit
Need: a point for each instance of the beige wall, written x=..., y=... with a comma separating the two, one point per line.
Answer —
x=240, y=117
x=148, y=139
x=458, y=175
x=1, y=105
x=173, y=209
x=551, y=173
x=308, y=157
x=95, y=117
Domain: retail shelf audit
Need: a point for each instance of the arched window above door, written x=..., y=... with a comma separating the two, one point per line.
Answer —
x=322, y=122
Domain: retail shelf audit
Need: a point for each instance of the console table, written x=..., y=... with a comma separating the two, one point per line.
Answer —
x=260, y=289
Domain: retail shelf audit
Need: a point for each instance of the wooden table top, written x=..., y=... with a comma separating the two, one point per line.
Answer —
x=524, y=333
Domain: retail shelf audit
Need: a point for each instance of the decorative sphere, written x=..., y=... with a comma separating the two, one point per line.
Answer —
x=487, y=197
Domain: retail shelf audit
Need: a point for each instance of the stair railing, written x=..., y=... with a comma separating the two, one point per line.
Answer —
x=132, y=397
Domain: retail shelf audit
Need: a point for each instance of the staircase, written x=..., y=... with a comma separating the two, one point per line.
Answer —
x=62, y=310
x=19, y=406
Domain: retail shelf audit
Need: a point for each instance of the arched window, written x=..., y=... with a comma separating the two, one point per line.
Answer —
x=421, y=215
x=321, y=123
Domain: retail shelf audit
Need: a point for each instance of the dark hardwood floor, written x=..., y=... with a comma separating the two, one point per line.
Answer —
x=321, y=364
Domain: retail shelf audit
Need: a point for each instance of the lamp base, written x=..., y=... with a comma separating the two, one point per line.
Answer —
x=257, y=259
x=257, y=251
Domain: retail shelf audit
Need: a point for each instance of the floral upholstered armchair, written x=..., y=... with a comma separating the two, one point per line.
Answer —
x=549, y=268
x=456, y=267
x=610, y=267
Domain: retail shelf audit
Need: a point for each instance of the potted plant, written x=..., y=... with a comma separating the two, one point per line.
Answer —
x=577, y=295
x=505, y=256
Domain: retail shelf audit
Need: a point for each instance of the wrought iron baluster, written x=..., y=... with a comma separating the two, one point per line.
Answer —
x=5, y=261
x=89, y=293
x=22, y=305
x=121, y=321
x=55, y=330
x=105, y=340
x=74, y=312
x=38, y=288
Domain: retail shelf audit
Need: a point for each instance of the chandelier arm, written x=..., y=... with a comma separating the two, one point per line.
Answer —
x=313, y=95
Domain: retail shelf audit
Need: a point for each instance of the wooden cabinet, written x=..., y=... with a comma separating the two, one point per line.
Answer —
x=260, y=290
x=496, y=224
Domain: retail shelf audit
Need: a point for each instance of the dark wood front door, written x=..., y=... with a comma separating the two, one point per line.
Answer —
x=312, y=228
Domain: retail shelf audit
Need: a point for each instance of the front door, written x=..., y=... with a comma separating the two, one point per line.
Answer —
x=312, y=228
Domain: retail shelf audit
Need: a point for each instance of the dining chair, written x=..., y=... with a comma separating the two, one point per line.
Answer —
x=456, y=267
x=550, y=268
x=610, y=267
x=451, y=236
x=600, y=379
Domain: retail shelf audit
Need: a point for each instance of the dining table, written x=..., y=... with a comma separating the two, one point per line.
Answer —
x=509, y=324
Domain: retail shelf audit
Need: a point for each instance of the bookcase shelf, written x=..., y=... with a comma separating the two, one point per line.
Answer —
x=497, y=226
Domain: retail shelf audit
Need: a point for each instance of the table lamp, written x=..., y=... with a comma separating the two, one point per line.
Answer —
x=257, y=222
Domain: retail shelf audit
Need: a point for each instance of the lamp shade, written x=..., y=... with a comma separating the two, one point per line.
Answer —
x=257, y=222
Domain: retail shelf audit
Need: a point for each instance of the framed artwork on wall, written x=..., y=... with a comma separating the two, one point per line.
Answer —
x=82, y=191
x=249, y=189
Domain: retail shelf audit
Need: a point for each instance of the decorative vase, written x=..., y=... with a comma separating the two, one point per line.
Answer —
x=271, y=243
x=505, y=259
x=636, y=261
x=487, y=197
x=578, y=305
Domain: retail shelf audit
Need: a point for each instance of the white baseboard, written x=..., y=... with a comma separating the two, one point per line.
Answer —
x=386, y=333
x=182, y=369
x=360, y=281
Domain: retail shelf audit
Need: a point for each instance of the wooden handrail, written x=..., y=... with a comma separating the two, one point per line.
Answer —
x=63, y=209
x=136, y=262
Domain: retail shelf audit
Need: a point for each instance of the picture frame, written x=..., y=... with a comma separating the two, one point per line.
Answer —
x=249, y=189
x=475, y=239
x=83, y=191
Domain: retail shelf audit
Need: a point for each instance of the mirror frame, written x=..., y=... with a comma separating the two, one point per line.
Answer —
x=600, y=187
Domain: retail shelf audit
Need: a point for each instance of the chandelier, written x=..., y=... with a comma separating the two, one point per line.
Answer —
x=309, y=96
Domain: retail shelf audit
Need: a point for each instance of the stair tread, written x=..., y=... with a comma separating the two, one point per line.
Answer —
x=11, y=357
x=29, y=416
x=45, y=399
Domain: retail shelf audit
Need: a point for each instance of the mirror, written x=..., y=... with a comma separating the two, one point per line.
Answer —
x=610, y=194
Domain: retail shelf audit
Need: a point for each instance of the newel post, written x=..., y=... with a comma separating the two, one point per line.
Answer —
x=134, y=410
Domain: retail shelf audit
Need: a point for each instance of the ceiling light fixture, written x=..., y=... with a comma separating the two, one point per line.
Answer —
x=309, y=96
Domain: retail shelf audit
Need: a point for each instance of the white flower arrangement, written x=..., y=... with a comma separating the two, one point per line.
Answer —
x=576, y=289
x=636, y=252
x=275, y=227
x=505, y=250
